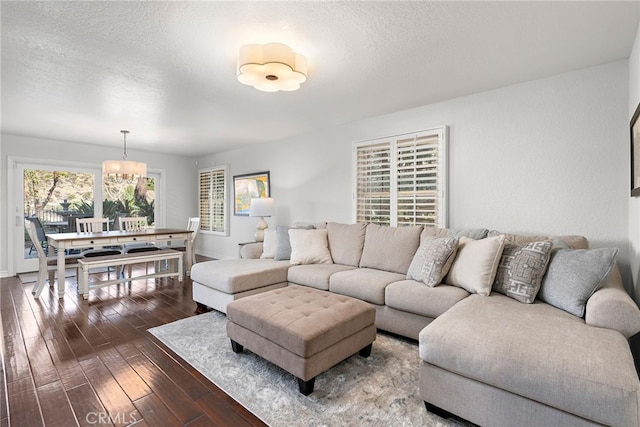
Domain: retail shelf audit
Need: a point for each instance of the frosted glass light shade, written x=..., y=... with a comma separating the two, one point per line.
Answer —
x=271, y=67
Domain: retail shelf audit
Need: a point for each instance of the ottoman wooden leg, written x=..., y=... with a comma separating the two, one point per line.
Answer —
x=366, y=352
x=237, y=348
x=306, y=387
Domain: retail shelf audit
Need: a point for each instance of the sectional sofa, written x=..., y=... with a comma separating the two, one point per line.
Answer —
x=512, y=330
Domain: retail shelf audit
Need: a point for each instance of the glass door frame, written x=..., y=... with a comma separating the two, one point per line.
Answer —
x=15, y=198
x=16, y=258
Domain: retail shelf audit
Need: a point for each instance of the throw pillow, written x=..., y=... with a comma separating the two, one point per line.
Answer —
x=521, y=270
x=309, y=247
x=283, y=247
x=433, y=260
x=476, y=263
x=574, y=275
x=269, y=244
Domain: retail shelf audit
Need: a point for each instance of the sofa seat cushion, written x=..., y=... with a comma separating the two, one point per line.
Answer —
x=363, y=283
x=538, y=352
x=232, y=276
x=418, y=298
x=315, y=275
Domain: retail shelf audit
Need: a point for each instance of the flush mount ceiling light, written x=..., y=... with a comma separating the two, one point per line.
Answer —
x=271, y=67
x=124, y=170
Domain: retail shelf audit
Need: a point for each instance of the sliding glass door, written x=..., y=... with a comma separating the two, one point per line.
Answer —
x=53, y=196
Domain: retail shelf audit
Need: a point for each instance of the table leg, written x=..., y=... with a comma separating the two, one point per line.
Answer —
x=61, y=279
x=189, y=246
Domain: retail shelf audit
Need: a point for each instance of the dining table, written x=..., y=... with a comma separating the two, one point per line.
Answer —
x=63, y=242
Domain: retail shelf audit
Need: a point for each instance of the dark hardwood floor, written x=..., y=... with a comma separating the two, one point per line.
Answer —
x=74, y=362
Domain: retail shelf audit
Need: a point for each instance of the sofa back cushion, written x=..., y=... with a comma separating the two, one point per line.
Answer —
x=572, y=241
x=472, y=233
x=390, y=248
x=346, y=242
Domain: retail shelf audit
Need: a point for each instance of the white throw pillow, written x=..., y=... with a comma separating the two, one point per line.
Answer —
x=269, y=244
x=309, y=247
x=476, y=263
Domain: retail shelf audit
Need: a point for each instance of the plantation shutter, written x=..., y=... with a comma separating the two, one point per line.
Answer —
x=373, y=183
x=212, y=200
x=418, y=184
x=400, y=181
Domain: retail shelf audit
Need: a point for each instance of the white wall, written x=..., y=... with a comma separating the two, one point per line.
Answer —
x=180, y=178
x=547, y=156
x=634, y=202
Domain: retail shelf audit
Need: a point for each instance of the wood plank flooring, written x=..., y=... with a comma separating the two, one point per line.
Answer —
x=74, y=362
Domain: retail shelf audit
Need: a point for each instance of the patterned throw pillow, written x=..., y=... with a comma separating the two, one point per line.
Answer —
x=433, y=260
x=521, y=270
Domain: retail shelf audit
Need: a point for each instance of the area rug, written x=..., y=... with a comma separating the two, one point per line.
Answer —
x=381, y=390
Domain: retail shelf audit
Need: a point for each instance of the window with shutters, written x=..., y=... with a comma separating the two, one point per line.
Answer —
x=213, y=200
x=401, y=180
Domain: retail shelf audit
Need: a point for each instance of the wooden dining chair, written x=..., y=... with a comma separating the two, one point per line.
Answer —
x=40, y=233
x=96, y=225
x=193, y=224
x=47, y=264
x=136, y=223
x=133, y=223
x=92, y=225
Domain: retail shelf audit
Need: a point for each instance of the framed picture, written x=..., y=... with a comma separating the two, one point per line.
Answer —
x=246, y=187
x=635, y=153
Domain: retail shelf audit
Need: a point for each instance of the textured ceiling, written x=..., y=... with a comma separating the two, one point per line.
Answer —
x=81, y=71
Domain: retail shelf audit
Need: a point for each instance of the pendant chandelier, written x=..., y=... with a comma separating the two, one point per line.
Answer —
x=124, y=170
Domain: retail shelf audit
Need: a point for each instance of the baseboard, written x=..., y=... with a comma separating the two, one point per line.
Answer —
x=5, y=273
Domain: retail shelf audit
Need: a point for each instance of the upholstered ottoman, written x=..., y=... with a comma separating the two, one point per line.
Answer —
x=305, y=331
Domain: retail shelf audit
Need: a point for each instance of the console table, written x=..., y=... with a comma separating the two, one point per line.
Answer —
x=64, y=241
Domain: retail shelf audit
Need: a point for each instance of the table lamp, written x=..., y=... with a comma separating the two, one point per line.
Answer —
x=261, y=207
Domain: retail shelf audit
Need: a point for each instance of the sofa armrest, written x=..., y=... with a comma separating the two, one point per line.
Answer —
x=611, y=307
x=251, y=250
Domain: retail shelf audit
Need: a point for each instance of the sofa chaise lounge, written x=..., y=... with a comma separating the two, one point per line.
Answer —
x=562, y=358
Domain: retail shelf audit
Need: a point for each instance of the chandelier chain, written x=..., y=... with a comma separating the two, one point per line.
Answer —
x=125, y=132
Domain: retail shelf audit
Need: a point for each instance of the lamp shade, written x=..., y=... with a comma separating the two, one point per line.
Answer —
x=263, y=206
x=124, y=168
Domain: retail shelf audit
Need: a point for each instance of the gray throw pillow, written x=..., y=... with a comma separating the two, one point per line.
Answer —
x=521, y=270
x=433, y=260
x=574, y=275
x=283, y=245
